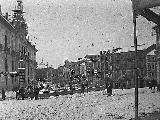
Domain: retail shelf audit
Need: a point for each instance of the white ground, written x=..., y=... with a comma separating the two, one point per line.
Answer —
x=92, y=106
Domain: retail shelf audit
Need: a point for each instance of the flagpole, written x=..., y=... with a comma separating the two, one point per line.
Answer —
x=136, y=62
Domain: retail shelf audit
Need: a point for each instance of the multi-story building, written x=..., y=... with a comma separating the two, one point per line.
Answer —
x=124, y=66
x=17, y=54
x=7, y=36
x=157, y=52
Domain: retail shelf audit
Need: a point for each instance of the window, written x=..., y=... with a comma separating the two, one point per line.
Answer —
x=28, y=54
x=12, y=65
x=153, y=66
x=153, y=58
x=6, y=65
x=149, y=66
x=5, y=44
x=152, y=74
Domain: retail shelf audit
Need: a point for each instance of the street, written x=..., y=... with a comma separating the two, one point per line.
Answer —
x=91, y=106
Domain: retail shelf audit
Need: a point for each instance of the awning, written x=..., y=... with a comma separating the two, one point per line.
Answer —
x=142, y=4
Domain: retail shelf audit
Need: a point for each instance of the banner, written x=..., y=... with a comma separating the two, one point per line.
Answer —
x=142, y=4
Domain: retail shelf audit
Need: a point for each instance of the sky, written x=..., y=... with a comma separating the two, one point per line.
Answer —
x=70, y=29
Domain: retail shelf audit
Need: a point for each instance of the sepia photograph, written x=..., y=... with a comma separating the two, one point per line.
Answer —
x=79, y=59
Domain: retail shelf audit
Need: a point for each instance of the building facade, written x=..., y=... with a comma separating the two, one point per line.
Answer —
x=157, y=52
x=123, y=66
x=7, y=36
x=18, y=55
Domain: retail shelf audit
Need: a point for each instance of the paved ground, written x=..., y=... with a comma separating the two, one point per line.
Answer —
x=152, y=116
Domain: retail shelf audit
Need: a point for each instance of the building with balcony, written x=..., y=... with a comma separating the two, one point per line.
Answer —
x=17, y=54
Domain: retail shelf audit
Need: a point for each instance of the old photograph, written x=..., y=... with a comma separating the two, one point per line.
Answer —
x=79, y=59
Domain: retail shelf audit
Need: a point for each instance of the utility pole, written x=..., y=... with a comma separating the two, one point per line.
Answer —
x=101, y=70
x=47, y=71
x=104, y=56
x=6, y=61
x=136, y=77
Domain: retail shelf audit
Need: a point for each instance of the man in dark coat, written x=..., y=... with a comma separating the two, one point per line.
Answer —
x=31, y=92
x=3, y=94
x=109, y=89
x=150, y=85
x=82, y=88
x=22, y=92
x=71, y=88
x=36, y=92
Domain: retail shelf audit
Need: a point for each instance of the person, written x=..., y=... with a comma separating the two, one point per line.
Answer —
x=71, y=88
x=31, y=92
x=109, y=89
x=82, y=88
x=22, y=92
x=106, y=85
x=150, y=85
x=3, y=94
x=17, y=94
x=36, y=92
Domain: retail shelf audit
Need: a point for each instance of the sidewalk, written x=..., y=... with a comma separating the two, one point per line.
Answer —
x=152, y=116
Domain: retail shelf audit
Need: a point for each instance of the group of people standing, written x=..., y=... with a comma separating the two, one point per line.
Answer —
x=82, y=85
x=28, y=92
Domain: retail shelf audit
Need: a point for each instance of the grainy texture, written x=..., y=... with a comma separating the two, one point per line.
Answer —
x=92, y=106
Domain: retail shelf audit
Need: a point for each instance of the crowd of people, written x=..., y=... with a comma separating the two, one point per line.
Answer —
x=32, y=92
x=28, y=92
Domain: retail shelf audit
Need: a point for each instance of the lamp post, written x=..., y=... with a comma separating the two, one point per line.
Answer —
x=6, y=61
x=136, y=76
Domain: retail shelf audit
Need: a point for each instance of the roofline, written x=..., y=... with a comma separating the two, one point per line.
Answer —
x=87, y=56
x=33, y=46
x=7, y=23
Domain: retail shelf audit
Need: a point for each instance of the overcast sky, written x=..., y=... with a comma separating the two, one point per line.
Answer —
x=73, y=28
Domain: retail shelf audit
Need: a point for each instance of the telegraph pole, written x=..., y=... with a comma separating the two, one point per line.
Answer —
x=136, y=77
x=47, y=72
x=6, y=61
x=101, y=59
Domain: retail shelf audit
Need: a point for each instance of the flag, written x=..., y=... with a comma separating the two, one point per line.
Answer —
x=142, y=4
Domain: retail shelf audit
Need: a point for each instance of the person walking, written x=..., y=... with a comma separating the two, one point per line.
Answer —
x=150, y=85
x=82, y=88
x=17, y=94
x=36, y=92
x=3, y=94
x=71, y=88
x=109, y=89
x=31, y=92
x=22, y=92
